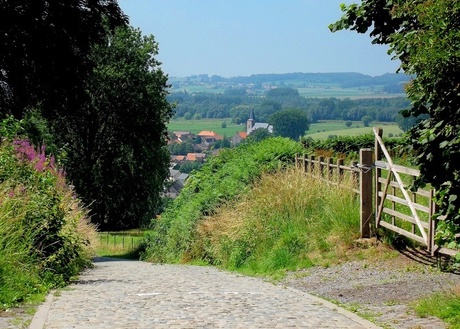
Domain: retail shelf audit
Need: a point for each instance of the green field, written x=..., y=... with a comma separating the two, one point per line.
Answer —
x=319, y=130
x=120, y=244
x=200, y=89
x=317, y=91
x=321, y=92
x=323, y=130
x=195, y=126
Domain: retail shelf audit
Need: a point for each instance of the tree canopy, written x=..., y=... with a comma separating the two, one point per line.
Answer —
x=118, y=159
x=290, y=123
x=90, y=85
x=45, y=44
x=425, y=37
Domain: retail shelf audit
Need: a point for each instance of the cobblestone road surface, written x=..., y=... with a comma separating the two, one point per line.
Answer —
x=131, y=294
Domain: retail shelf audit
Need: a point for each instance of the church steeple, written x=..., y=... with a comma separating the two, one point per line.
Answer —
x=251, y=121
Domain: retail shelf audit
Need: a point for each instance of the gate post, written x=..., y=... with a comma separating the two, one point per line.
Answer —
x=378, y=173
x=365, y=191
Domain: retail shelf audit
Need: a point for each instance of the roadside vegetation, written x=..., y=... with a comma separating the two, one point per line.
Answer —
x=286, y=221
x=46, y=236
x=221, y=179
x=445, y=306
x=249, y=210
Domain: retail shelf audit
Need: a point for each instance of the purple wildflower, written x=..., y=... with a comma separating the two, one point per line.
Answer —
x=41, y=162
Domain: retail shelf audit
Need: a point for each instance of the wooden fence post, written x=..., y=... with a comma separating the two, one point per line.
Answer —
x=354, y=174
x=365, y=189
x=339, y=171
x=311, y=166
x=329, y=169
x=321, y=167
x=304, y=163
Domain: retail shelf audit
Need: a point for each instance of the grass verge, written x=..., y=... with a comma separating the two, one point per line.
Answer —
x=444, y=305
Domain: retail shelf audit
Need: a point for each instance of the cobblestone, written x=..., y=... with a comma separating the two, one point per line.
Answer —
x=131, y=294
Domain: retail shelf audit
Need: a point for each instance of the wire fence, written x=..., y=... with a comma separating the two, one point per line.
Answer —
x=121, y=240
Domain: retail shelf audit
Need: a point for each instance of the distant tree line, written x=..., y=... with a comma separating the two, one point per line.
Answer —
x=237, y=104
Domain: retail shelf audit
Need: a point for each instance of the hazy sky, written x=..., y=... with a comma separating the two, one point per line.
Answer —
x=244, y=37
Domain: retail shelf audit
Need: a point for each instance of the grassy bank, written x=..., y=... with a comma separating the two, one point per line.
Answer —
x=286, y=221
x=221, y=179
x=247, y=211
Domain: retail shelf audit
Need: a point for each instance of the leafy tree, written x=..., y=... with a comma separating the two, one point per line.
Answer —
x=187, y=166
x=407, y=122
x=282, y=92
x=117, y=155
x=290, y=123
x=425, y=37
x=220, y=144
x=266, y=109
x=259, y=135
x=348, y=123
x=45, y=46
x=180, y=148
x=224, y=124
x=366, y=120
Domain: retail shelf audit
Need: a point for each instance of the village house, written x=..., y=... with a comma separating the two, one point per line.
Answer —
x=195, y=157
x=209, y=137
x=238, y=137
x=182, y=136
x=177, y=181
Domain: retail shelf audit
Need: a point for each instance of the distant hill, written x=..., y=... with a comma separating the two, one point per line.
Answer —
x=388, y=83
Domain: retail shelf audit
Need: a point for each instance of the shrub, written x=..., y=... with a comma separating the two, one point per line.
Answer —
x=352, y=144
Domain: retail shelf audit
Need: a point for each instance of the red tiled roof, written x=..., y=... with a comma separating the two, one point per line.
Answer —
x=242, y=134
x=195, y=156
x=207, y=133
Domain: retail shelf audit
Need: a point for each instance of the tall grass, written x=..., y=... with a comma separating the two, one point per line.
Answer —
x=287, y=221
x=45, y=234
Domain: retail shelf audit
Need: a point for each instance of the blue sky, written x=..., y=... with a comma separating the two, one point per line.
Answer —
x=244, y=37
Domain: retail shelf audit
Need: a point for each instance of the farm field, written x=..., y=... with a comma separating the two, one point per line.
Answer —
x=119, y=244
x=195, y=126
x=325, y=129
x=200, y=89
x=310, y=92
x=320, y=130
x=322, y=92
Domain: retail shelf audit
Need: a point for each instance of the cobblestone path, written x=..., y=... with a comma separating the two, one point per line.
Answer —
x=132, y=294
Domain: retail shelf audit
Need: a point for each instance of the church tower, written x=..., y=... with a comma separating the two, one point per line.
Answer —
x=251, y=121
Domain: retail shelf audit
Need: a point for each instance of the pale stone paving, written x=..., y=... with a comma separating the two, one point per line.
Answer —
x=131, y=294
